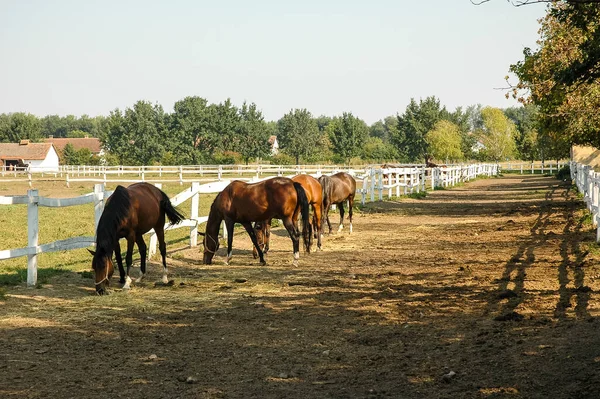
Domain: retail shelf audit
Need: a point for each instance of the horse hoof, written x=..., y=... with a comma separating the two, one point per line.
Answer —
x=263, y=263
x=165, y=280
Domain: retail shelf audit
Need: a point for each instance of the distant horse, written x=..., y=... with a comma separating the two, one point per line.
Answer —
x=336, y=190
x=314, y=195
x=129, y=213
x=245, y=203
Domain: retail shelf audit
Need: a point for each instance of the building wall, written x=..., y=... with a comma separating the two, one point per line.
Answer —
x=586, y=155
x=49, y=164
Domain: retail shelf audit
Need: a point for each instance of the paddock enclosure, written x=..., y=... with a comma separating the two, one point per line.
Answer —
x=485, y=290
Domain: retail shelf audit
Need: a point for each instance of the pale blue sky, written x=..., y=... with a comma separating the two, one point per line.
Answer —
x=368, y=57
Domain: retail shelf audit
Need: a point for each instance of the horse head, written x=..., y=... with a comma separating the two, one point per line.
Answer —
x=211, y=245
x=103, y=270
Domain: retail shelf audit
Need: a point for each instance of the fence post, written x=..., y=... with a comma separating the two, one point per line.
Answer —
x=98, y=204
x=32, y=236
x=194, y=214
x=380, y=180
x=153, y=238
x=181, y=175
x=372, y=174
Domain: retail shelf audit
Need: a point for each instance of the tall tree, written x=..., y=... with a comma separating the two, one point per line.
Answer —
x=115, y=139
x=190, y=128
x=347, y=134
x=298, y=134
x=417, y=120
x=253, y=134
x=19, y=126
x=145, y=125
x=562, y=76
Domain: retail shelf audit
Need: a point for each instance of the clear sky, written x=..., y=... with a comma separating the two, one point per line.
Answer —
x=329, y=56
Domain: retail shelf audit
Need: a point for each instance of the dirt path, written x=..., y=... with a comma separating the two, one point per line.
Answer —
x=483, y=291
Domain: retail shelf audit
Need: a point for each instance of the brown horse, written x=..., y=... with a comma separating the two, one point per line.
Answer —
x=336, y=190
x=314, y=194
x=129, y=213
x=245, y=203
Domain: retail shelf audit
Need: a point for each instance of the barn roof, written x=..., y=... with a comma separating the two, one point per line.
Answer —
x=91, y=143
x=24, y=151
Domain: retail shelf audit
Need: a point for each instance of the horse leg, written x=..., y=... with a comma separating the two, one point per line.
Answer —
x=325, y=217
x=129, y=261
x=250, y=231
x=317, y=212
x=341, y=226
x=120, y=262
x=267, y=236
x=289, y=225
x=229, y=224
x=350, y=206
x=162, y=247
x=139, y=239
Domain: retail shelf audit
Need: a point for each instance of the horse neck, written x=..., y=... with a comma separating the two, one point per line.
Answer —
x=215, y=217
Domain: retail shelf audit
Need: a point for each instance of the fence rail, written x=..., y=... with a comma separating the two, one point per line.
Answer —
x=588, y=183
x=376, y=182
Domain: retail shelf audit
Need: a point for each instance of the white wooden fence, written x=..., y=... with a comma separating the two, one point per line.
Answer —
x=534, y=167
x=588, y=183
x=390, y=181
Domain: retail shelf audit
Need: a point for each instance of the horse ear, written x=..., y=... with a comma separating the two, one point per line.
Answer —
x=92, y=252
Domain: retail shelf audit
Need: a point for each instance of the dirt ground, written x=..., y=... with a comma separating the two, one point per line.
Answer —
x=482, y=291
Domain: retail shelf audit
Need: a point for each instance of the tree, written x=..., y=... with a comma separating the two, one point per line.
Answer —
x=223, y=127
x=525, y=119
x=70, y=156
x=298, y=134
x=20, y=126
x=347, y=134
x=115, y=138
x=417, y=120
x=147, y=132
x=376, y=150
x=253, y=134
x=444, y=141
x=190, y=129
x=562, y=77
x=498, y=135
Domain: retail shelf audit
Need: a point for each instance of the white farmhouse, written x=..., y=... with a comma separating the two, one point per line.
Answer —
x=274, y=145
x=38, y=157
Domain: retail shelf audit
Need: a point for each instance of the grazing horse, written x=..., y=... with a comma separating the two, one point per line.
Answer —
x=129, y=213
x=314, y=194
x=245, y=203
x=336, y=190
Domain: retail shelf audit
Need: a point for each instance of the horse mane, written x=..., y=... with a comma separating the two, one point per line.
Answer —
x=115, y=211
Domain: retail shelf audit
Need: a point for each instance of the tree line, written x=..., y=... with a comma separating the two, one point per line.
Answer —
x=197, y=132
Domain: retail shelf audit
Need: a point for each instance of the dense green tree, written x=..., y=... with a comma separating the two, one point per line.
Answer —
x=190, y=128
x=299, y=134
x=69, y=156
x=147, y=131
x=224, y=125
x=444, y=141
x=20, y=126
x=116, y=139
x=253, y=134
x=417, y=120
x=347, y=135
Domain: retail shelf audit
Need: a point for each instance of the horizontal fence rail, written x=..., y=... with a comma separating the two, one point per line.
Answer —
x=375, y=183
x=588, y=184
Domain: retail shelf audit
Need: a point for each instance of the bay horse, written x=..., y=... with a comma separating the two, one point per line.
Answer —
x=129, y=213
x=245, y=203
x=314, y=195
x=337, y=189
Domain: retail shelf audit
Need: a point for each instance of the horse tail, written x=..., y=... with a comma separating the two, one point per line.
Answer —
x=303, y=204
x=172, y=213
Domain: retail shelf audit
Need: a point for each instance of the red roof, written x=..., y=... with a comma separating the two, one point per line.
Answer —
x=33, y=151
x=91, y=143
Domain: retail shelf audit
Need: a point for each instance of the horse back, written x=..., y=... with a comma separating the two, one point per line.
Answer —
x=342, y=186
x=145, y=207
x=272, y=198
x=312, y=187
